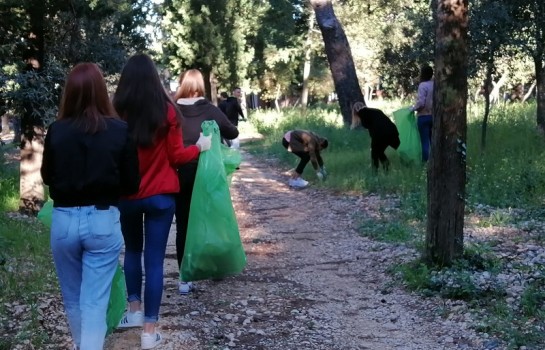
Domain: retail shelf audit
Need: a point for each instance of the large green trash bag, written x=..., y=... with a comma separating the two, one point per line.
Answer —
x=231, y=160
x=118, y=300
x=118, y=293
x=409, y=149
x=45, y=214
x=213, y=248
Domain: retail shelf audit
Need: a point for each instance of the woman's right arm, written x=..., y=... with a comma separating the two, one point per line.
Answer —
x=227, y=129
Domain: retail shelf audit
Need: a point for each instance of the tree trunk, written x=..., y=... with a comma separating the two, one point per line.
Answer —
x=207, y=75
x=32, y=129
x=5, y=124
x=487, y=83
x=446, y=172
x=213, y=89
x=495, y=93
x=339, y=57
x=540, y=96
x=529, y=92
x=306, y=66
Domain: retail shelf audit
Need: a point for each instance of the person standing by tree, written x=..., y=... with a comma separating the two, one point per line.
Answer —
x=424, y=109
x=89, y=161
x=196, y=109
x=155, y=124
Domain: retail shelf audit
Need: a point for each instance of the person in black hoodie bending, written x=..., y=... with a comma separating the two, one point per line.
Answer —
x=382, y=130
x=195, y=109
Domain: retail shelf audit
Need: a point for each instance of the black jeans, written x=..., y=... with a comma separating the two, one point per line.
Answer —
x=186, y=175
x=305, y=158
x=377, y=152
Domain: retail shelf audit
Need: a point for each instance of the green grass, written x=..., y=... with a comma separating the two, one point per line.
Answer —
x=9, y=185
x=26, y=269
x=509, y=173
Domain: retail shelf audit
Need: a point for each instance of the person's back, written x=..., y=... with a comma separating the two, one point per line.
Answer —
x=232, y=109
x=197, y=111
x=222, y=105
x=86, y=166
x=379, y=125
x=146, y=217
x=89, y=161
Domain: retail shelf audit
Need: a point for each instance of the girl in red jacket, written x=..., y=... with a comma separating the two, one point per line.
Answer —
x=154, y=123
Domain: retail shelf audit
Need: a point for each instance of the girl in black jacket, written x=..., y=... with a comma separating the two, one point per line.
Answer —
x=382, y=130
x=195, y=109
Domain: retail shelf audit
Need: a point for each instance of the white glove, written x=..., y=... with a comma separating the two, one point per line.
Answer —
x=320, y=175
x=204, y=142
x=324, y=172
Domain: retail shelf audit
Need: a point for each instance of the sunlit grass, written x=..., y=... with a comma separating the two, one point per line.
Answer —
x=26, y=268
x=509, y=172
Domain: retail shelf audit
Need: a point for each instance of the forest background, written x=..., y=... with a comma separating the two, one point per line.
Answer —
x=275, y=51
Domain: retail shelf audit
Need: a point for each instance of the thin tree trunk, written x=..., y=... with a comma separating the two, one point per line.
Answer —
x=447, y=168
x=339, y=57
x=5, y=124
x=32, y=129
x=213, y=89
x=207, y=76
x=487, y=83
x=495, y=93
x=529, y=92
x=540, y=96
x=306, y=66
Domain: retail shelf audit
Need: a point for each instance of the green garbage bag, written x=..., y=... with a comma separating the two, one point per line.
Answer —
x=118, y=300
x=213, y=248
x=45, y=214
x=231, y=160
x=118, y=293
x=409, y=149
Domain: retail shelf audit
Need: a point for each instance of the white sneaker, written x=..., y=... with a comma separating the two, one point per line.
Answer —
x=298, y=183
x=150, y=340
x=132, y=319
x=185, y=287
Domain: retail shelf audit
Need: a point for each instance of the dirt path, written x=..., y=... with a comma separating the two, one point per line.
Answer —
x=311, y=282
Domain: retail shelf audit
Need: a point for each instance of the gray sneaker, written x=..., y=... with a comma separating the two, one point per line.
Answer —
x=298, y=183
x=185, y=288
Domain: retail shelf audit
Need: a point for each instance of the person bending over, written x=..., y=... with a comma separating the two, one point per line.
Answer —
x=382, y=130
x=307, y=146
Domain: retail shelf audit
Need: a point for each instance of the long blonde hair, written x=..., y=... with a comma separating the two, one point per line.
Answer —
x=191, y=85
x=356, y=120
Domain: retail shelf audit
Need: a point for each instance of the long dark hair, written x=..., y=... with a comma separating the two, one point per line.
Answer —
x=85, y=98
x=426, y=73
x=142, y=101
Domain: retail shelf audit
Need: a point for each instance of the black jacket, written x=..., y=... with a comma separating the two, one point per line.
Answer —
x=195, y=112
x=233, y=110
x=84, y=169
x=381, y=129
x=303, y=141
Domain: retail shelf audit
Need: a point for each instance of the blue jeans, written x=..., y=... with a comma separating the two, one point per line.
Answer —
x=425, y=123
x=157, y=212
x=86, y=243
